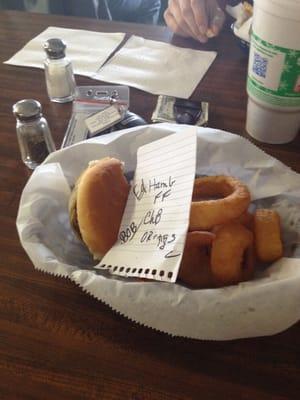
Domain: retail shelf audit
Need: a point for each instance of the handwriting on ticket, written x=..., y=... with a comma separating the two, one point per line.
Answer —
x=159, y=191
x=163, y=189
x=155, y=221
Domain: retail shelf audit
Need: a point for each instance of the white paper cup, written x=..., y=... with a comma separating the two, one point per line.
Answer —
x=269, y=125
x=273, y=85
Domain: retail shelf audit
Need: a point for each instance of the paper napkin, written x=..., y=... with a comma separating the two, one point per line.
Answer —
x=87, y=50
x=156, y=67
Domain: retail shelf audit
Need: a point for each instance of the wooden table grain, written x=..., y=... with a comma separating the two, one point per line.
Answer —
x=56, y=342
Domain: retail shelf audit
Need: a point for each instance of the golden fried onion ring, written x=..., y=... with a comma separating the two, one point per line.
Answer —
x=268, y=243
x=246, y=219
x=232, y=255
x=195, y=268
x=232, y=199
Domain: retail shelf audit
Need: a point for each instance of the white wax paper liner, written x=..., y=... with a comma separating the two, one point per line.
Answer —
x=267, y=305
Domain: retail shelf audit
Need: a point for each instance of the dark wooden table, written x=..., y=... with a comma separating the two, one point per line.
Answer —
x=57, y=342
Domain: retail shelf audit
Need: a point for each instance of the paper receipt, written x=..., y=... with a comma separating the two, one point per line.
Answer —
x=155, y=221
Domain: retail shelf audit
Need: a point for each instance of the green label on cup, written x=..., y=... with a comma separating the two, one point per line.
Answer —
x=274, y=73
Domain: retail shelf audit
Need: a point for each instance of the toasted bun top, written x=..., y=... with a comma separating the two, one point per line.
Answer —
x=102, y=192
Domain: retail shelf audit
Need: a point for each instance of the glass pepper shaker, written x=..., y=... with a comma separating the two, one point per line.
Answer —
x=59, y=75
x=33, y=133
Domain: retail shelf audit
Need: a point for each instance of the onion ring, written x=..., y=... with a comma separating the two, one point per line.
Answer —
x=195, y=268
x=268, y=243
x=231, y=257
x=205, y=214
x=246, y=219
x=248, y=266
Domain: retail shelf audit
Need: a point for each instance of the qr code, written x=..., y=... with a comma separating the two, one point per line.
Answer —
x=260, y=65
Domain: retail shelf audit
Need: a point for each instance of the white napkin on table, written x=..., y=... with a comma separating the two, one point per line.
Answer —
x=235, y=11
x=243, y=32
x=242, y=25
x=86, y=49
x=157, y=67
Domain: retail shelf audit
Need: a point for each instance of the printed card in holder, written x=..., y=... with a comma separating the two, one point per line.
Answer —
x=90, y=100
x=155, y=221
x=104, y=119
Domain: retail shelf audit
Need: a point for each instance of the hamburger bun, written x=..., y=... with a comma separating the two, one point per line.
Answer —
x=97, y=204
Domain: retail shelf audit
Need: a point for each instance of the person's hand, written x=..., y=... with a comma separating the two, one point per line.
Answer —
x=200, y=19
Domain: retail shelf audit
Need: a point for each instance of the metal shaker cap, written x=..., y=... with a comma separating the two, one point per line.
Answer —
x=55, y=48
x=27, y=109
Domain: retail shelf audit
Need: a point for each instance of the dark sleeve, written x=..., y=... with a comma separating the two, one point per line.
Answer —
x=224, y=3
x=235, y=2
x=72, y=7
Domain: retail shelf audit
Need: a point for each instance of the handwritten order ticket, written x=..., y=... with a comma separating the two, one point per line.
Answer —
x=155, y=221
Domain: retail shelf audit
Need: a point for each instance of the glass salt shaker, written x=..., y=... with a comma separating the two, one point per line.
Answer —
x=34, y=136
x=59, y=75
